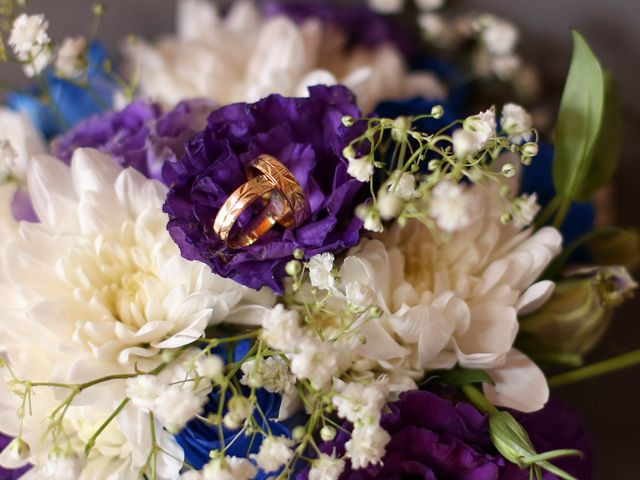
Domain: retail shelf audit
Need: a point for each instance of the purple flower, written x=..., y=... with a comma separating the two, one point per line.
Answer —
x=433, y=438
x=363, y=26
x=6, y=473
x=141, y=136
x=306, y=135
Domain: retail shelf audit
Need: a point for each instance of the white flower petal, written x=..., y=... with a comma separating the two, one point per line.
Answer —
x=519, y=384
x=535, y=296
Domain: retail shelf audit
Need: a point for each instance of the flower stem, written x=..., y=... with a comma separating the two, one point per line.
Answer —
x=626, y=360
x=479, y=400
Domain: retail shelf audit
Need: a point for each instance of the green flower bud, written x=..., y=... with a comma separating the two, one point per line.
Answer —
x=327, y=433
x=348, y=121
x=513, y=442
x=19, y=449
x=437, y=112
x=530, y=149
x=293, y=268
x=298, y=254
x=579, y=311
x=298, y=433
x=349, y=152
x=508, y=170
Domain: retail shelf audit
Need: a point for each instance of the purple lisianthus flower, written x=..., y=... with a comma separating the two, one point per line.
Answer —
x=433, y=438
x=361, y=25
x=307, y=136
x=141, y=135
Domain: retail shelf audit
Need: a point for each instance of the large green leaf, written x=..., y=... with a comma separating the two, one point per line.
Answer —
x=589, y=129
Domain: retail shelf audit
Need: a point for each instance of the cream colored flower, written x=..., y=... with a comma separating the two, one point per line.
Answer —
x=456, y=302
x=245, y=57
x=98, y=286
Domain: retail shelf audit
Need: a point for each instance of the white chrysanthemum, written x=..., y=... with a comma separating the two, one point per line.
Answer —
x=274, y=453
x=28, y=33
x=269, y=55
x=456, y=302
x=121, y=450
x=99, y=278
x=326, y=467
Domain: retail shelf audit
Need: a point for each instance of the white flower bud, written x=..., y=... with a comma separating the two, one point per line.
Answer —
x=437, y=111
x=508, y=170
x=19, y=449
x=390, y=205
x=530, y=149
x=293, y=268
x=210, y=367
x=327, y=433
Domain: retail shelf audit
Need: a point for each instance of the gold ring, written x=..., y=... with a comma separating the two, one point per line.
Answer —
x=270, y=187
x=282, y=179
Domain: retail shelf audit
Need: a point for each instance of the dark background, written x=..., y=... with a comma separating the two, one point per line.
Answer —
x=610, y=405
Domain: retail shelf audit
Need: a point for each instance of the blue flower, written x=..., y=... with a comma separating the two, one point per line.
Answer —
x=72, y=102
x=198, y=438
x=538, y=178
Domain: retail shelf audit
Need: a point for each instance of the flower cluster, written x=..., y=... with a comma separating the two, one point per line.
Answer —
x=398, y=329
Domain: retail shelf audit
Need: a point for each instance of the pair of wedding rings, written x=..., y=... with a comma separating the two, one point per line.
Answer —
x=274, y=196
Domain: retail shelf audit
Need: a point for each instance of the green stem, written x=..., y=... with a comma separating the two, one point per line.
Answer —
x=626, y=360
x=92, y=441
x=479, y=400
x=563, y=210
x=548, y=212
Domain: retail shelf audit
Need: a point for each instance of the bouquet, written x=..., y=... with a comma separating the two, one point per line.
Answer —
x=282, y=243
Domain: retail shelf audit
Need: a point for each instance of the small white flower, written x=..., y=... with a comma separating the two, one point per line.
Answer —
x=271, y=373
x=358, y=295
x=506, y=67
x=402, y=184
x=367, y=445
x=274, y=453
x=69, y=61
x=281, y=329
x=360, y=403
x=8, y=159
x=229, y=468
x=498, y=35
x=176, y=405
x=433, y=27
x=451, y=206
x=483, y=125
x=326, y=467
x=361, y=168
x=316, y=361
x=371, y=218
x=320, y=271
x=386, y=6
x=62, y=466
x=517, y=122
x=429, y=4
x=525, y=210
x=144, y=390
x=28, y=33
x=40, y=60
x=210, y=366
x=465, y=143
x=239, y=408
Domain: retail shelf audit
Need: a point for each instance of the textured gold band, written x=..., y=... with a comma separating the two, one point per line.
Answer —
x=283, y=199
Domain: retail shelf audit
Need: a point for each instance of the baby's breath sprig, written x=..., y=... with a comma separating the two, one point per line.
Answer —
x=420, y=175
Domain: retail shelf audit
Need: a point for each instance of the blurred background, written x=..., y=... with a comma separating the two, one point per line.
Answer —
x=609, y=405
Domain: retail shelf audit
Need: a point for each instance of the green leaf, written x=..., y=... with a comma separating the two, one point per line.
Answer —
x=614, y=246
x=459, y=377
x=589, y=132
